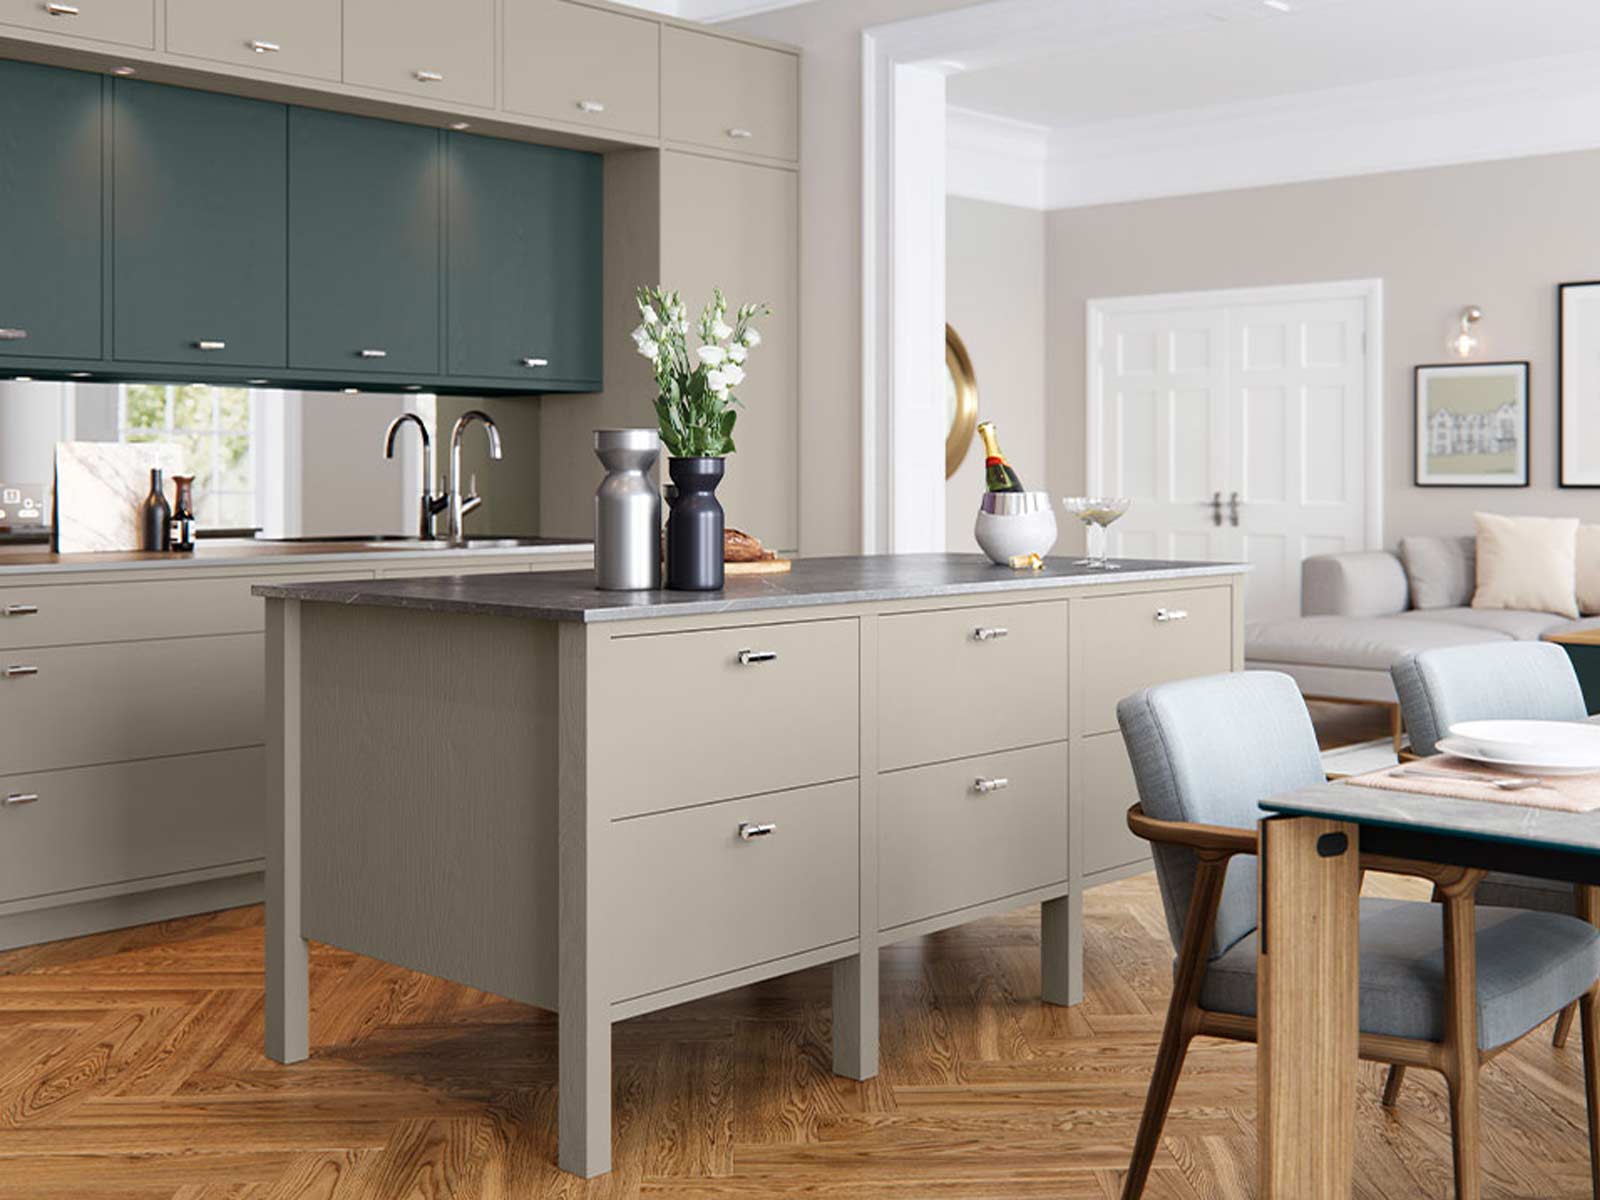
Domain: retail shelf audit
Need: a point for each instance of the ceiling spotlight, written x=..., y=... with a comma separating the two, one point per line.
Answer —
x=77, y=374
x=257, y=382
x=351, y=391
x=459, y=125
x=1279, y=5
x=23, y=378
x=123, y=71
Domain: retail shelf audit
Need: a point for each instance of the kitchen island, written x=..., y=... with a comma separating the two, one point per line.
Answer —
x=605, y=804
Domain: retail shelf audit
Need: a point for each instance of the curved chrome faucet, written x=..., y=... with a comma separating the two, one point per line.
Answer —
x=432, y=505
x=461, y=505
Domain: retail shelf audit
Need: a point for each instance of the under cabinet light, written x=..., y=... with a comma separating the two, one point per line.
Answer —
x=123, y=71
x=460, y=125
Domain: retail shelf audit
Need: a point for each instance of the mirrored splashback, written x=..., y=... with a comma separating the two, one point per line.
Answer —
x=284, y=463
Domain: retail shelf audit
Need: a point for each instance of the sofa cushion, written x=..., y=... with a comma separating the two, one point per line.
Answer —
x=1373, y=643
x=1589, y=569
x=1513, y=622
x=1442, y=571
x=1527, y=563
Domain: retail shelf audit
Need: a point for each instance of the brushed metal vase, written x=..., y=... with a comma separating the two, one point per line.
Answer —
x=627, y=511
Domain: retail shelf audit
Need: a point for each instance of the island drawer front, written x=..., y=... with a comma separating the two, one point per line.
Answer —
x=683, y=721
x=965, y=681
x=73, y=706
x=1107, y=791
x=1132, y=642
x=694, y=899
x=96, y=826
x=945, y=843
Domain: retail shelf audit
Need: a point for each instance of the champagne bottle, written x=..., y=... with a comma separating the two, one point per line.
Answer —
x=997, y=472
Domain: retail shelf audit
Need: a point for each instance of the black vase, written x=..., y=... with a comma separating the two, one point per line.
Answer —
x=694, y=527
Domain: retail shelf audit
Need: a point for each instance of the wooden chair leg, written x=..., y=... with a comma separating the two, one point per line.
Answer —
x=1589, y=1007
x=1462, y=1061
x=1158, y=1100
x=1391, y=1087
x=1564, y=1026
x=1397, y=727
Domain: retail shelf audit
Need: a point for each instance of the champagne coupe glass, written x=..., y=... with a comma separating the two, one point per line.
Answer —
x=1097, y=512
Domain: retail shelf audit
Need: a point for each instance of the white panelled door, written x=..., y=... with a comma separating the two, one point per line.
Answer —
x=1238, y=427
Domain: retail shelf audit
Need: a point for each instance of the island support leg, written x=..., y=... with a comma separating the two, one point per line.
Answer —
x=288, y=988
x=1061, y=949
x=855, y=1015
x=584, y=996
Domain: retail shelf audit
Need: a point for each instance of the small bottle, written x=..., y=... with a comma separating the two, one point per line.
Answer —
x=997, y=472
x=183, y=513
x=155, y=517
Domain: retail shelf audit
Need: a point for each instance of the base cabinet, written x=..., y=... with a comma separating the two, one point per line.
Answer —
x=1106, y=791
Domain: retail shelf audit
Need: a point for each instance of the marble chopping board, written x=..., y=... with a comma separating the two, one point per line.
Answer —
x=100, y=487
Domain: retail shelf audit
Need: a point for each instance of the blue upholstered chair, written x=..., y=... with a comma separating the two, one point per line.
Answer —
x=1205, y=753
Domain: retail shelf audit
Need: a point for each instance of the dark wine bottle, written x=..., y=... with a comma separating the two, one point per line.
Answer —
x=183, y=522
x=997, y=472
x=155, y=516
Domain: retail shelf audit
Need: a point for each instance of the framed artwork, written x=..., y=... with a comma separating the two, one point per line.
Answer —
x=1579, y=388
x=1472, y=425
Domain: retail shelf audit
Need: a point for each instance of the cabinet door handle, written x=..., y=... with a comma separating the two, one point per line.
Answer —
x=13, y=335
x=536, y=362
x=18, y=671
x=18, y=798
x=1172, y=614
x=1233, y=510
x=750, y=657
x=988, y=633
x=740, y=134
x=61, y=10
x=429, y=77
x=374, y=354
x=749, y=830
x=261, y=47
x=19, y=610
x=210, y=345
x=984, y=786
x=591, y=106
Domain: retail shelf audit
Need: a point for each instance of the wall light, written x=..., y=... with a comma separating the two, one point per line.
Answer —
x=1464, y=341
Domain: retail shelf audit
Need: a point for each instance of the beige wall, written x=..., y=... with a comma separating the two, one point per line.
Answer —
x=510, y=487
x=994, y=298
x=1501, y=235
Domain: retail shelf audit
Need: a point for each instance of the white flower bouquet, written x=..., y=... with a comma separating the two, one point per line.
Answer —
x=695, y=404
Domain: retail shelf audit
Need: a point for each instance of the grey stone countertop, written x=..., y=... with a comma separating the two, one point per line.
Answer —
x=572, y=596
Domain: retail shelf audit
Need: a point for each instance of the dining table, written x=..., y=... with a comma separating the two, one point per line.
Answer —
x=1311, y=843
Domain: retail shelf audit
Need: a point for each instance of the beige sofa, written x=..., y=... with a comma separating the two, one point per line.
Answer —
x=1364, y=611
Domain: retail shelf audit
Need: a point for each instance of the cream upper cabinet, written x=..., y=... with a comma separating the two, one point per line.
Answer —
x=729, y=95
x=125, y=22
x=590, y=66
x=297, y=37
x=438, y=52
x=733, y=225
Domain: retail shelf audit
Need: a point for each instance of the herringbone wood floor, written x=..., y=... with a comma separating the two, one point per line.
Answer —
x=131, y=1067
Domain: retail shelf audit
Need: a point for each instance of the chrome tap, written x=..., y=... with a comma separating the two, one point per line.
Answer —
x=432, y=505
x=461, y=505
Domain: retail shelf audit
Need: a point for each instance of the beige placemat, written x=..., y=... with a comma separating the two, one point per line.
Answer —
x=1567, y=793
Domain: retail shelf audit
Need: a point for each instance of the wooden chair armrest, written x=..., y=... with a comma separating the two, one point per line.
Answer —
x=1221, y=840
x=1441, y=875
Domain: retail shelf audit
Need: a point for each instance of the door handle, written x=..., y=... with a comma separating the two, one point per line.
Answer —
x=989, y=633
x=1216, y=508
x=749, y=658
x=18, y=672
x=749, y=830
x=1233, y=510
x=19, y=610
x=984, y=786
x=16, y=799
x=428, y=76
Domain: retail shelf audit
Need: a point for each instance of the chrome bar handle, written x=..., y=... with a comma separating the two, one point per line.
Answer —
x=591, y=106
x=16, y=799
x=749, y=830
x=984, y=786
x=1216, y=508
x=263, y=47
x=1172, y=614
x=1233, y=510
x=210, y=345
x=750, y=657
x=374, y=354
x=61, y=10
x=988, y=633
x=429, y=77
x=13, y=335
x=19, y=610
x=18, y=671
x=740, y=134
x=535, y=361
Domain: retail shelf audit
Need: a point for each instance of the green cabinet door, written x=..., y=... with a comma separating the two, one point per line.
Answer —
x=50, y=197
x=524, y=238
x=364, y=213
x=200, y=226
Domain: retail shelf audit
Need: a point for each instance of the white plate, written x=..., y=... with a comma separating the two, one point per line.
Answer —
x=1543, y=741
x=1521, y=765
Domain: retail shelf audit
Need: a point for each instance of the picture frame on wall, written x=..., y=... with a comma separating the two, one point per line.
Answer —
x=1578, y=384
x=1472, y=424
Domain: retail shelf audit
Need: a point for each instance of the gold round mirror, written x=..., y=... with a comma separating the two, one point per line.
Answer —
x=960, y=401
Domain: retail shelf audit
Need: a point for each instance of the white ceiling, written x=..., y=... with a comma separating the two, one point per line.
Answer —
x=1250, y=52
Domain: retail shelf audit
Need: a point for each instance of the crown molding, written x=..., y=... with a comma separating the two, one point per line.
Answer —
x=1514, y=110
x=997, y=159
x=712, y=11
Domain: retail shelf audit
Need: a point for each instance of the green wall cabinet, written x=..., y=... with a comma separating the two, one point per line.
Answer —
x=50, y=195
x=524, y=237
x=199, y=227
x=365, y=208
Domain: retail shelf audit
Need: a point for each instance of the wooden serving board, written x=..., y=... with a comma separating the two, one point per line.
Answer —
x=766, y=566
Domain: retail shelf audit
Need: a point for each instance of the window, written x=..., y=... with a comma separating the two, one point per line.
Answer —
x=215, y=429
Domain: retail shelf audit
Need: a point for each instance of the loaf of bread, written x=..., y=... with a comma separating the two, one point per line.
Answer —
x=739, y=546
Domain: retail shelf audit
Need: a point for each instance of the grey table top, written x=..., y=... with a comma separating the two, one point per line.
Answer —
x=1482, y=820
x=572, y=596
